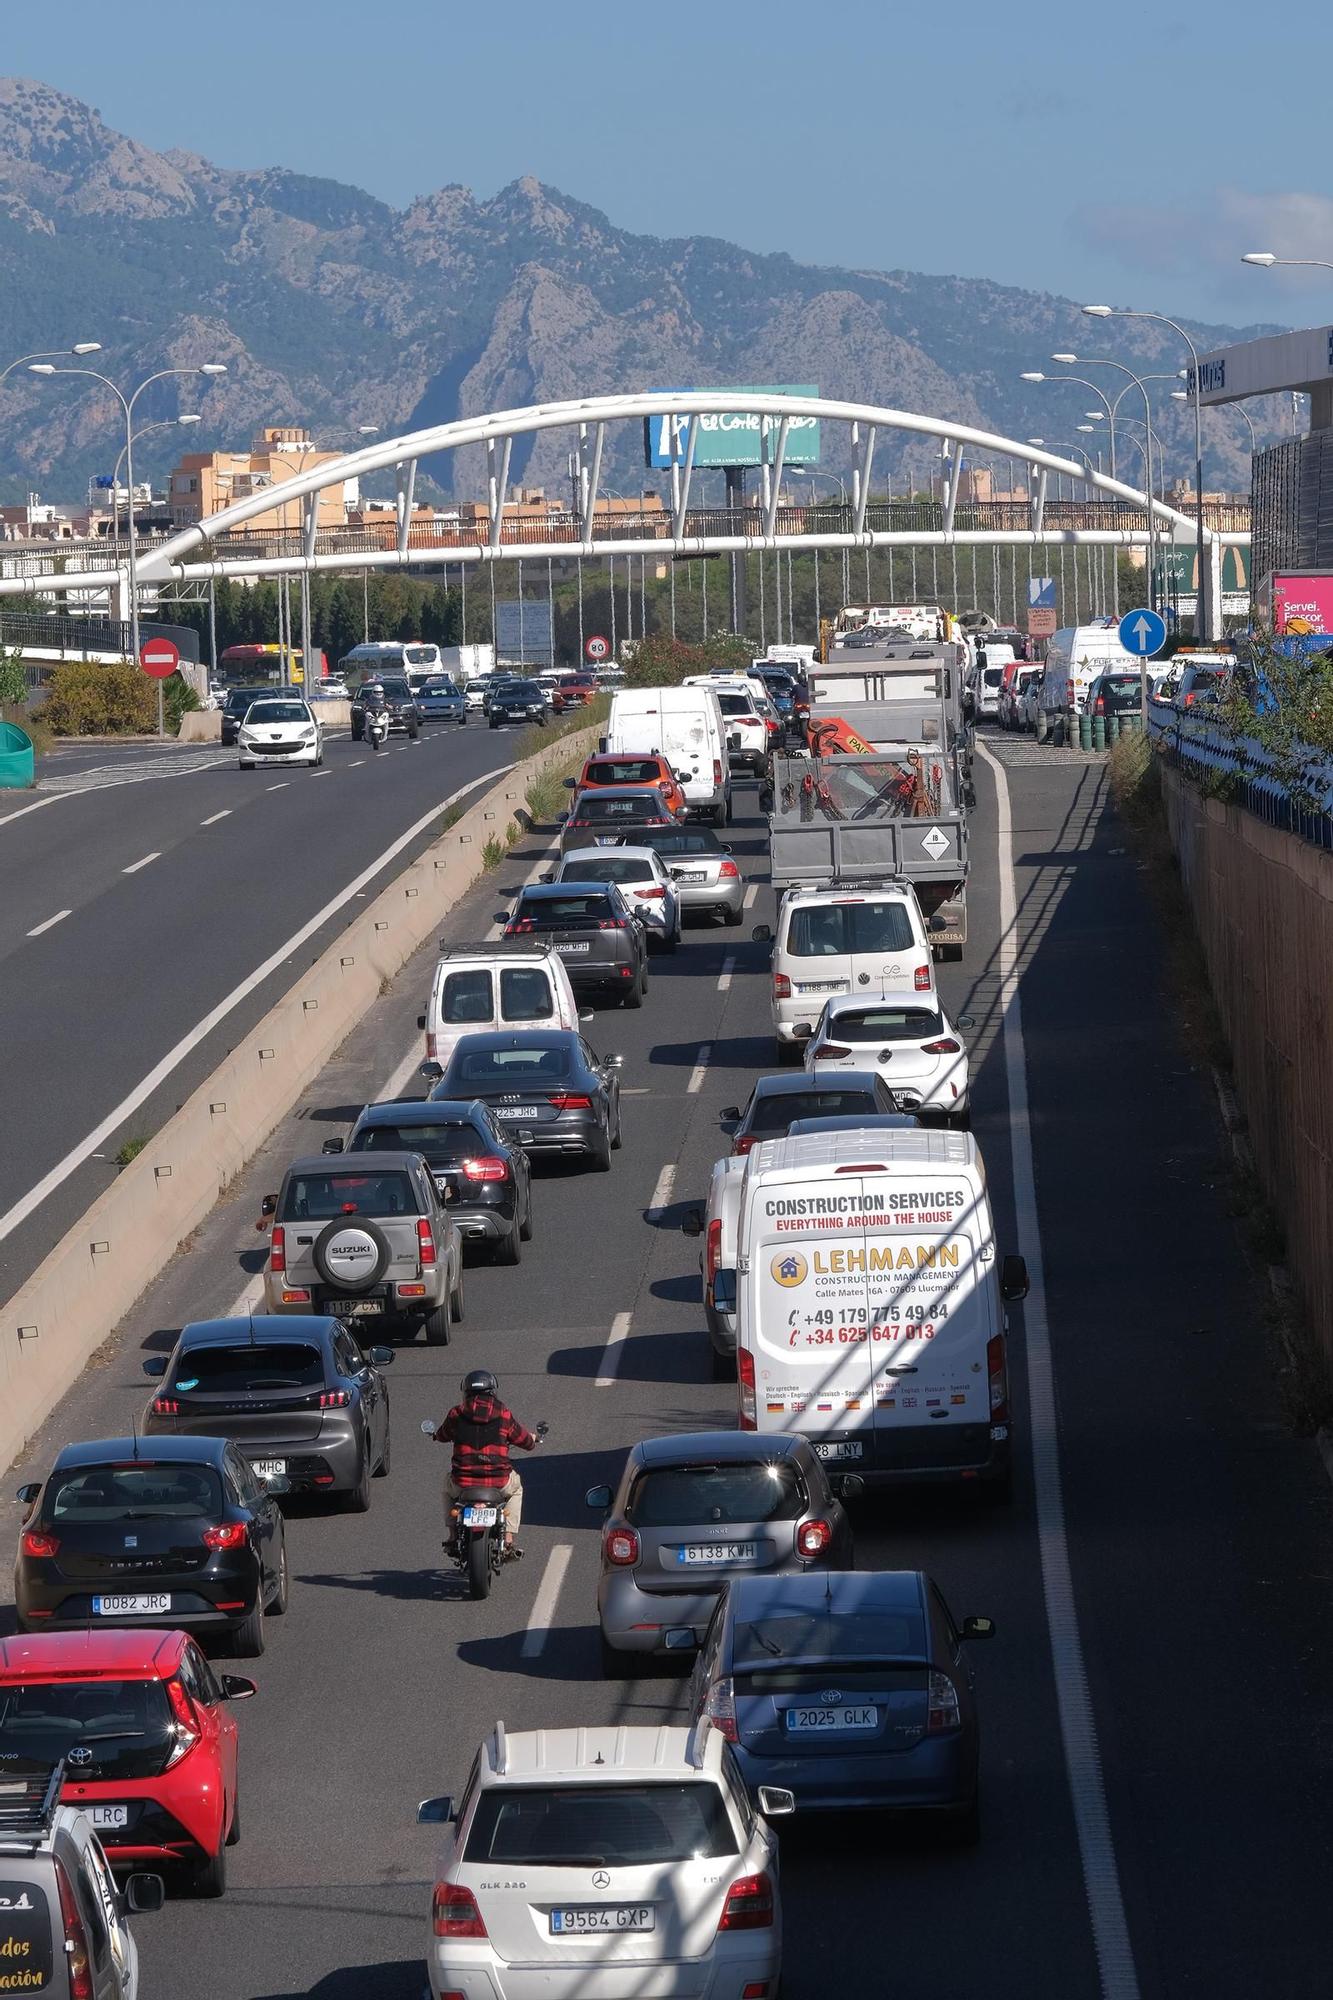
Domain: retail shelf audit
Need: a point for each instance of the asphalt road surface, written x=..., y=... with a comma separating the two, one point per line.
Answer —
x=1186, y=1688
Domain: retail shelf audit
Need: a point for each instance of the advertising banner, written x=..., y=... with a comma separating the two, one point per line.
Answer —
x=733, y=437
x=1302, y=603
x=1042, y=624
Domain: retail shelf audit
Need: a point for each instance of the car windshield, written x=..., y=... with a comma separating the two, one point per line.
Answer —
x=623, y=771
x=500, y=1069
x=555, y=912
x=109, y=1492
x=278, y=711
x=240, y=699
x=676, y=1496
x=268, y=1364
x=600, y=1826
x=395, y=690
x=882, y=1024
x=438, y=687
x=611, y=869
x=771, y=1116
x=440, y=1145
x=126, y=1727
x=321, y=1197
x=525, y=691
x=832, y=930
x=1121, y=684
x=831, y=1636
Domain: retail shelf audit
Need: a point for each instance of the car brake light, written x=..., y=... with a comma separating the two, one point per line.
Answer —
x=921, y=979
x=719, y=1709
x=712, y=1250
x=520, y=926
x=621, y=1547
x=813, y=1537
x=187, y=1721
x=454, y=1912
x=486, y=1167
x=746, y=1420
x=77, y=1968
x=1099, y=706
x=335, y=1399
x=228, y=1535
x=729, y=872
x=645, y=895
x=831, y=1051
x=570, y=1101
x=277, y=1249
x=432, y=1045
x=166, y=1406
x=781, y=986
x=998, y=1372
x=740, y=1147
x=425, y=1241
x=35, y=1543
x=948, y=1047
x=717, y=771
x=749, y=1905
x=770, y=726
x=943, y=1711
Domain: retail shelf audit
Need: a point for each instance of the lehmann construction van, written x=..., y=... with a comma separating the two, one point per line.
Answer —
x=871, y=1307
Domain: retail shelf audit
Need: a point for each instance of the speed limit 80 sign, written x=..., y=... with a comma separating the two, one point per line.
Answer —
x=596, y=649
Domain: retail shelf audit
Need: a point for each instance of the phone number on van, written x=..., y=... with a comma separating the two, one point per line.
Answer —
x=848, y=1336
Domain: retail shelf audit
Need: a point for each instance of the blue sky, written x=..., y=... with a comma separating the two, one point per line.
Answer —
x=1055, y=147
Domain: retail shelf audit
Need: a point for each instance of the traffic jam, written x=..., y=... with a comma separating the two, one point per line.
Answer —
x=841, y=1267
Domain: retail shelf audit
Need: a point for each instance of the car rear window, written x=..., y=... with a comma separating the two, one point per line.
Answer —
x=600, y=1826
x=623, y=771
x=322, y=1197
x=735, y=704
x=830, y=1636
x=96, y=1493
x=440, y=1145
x=467, y=997
x=268, y=1364
x=883, y=1024
x=553, y=912
x=832, y=930
x=773, y=1115
x=1121, y=684
x=126, y=1727
x=677, y=1496
x=525, y=994
x=495, y=1068
x=613, y=869
x=683, y=840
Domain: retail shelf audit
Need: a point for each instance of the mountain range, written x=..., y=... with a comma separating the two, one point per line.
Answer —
x=331, y=308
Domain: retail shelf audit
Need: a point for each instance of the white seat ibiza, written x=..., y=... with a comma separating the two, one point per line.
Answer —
x=908, y=1038
x=597, y=1864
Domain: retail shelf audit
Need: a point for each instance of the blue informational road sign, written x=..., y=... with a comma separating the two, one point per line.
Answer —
x=1142, y=633
x=1041, y=593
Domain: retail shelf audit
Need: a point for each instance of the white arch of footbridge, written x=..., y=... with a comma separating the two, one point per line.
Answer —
x=201, y=552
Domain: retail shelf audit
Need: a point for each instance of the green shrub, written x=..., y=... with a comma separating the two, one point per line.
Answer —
x=179, y=699
x=13, y=680
x=88, y=699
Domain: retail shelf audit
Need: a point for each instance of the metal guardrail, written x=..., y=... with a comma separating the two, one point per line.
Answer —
x=1202, y=751
x=47, y=631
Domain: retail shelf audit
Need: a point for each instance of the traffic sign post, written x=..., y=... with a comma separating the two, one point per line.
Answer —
x=1143, y=633
x=596, y=650
x=159, y=658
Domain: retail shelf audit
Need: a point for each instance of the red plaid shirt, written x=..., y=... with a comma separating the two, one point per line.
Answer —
x=481, y=1433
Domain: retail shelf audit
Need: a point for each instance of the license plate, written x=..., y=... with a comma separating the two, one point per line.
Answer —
x=821, y=986
x=904, y=1100
x=825, y=1721
x=115, y=1606
x=269, y=1468
x=104, y=1816
x=717, y=1552
x=524, y=1111
x=353, y=1306
x=840, y=1448
x=584, y=1918
x=692, y=875
x=480, y=1517
x=573, y=947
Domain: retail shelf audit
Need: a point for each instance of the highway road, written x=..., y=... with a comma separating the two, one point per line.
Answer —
x=143, y=888
x=1182, y=1679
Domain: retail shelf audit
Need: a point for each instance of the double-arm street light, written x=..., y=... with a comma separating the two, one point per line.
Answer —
x=52, y=354
x=284, y=605
x=1036, y=375
x=1182, y=396
x=163, y=424
x=1267, y=259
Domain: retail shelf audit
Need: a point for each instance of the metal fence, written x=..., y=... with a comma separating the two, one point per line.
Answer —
x=47, y=631
x=1205, y=753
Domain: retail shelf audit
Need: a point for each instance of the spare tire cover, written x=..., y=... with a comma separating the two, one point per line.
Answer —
x=351, y=1255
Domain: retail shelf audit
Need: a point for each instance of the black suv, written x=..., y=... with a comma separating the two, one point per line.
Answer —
x=590, y=926
x=235, y=707
x=482, y=1175
x=398, y=698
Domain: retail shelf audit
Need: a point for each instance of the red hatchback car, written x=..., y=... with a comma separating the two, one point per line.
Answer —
x=148, y=1740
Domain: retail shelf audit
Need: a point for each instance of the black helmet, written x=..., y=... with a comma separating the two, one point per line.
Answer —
x=480, y=1382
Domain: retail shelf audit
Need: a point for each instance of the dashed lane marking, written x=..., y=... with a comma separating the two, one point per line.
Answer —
x=135, y=866
x=697, y=1074
x=724, y=977
x=666, y=1180
x=50, y=923
x=615, y=1347
x=543, y=1605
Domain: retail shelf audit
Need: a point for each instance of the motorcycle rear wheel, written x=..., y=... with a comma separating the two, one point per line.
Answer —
x=479, y=1565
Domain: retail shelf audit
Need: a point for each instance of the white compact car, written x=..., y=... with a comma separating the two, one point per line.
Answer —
x=642, y=878
x=605, y=1861
x=280, y=730
x=908, y=1038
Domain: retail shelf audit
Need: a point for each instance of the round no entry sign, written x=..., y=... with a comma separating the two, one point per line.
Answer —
x=159, y=657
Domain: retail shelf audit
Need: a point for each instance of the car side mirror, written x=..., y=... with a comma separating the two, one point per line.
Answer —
x=144, y=1894
x=269, y=1205
x=427, y=1427
x=570, y=784
x=692, y=1222
x=499, y=916
x=421, y=1020
x=977, y=1628
x=730, y=1115
x=332, y=1146
x=431, y=1070
x=775, y=1801
x=614, y=1062
x=547, y=878
x=28, y=1493
x=680, y=1639
x=588, y=1016
x=1013, y=1279
x=380, y=1357
x=724, y=1291
x=598, y=1498
x=849, y=1486
x=156, y=1364
x=734, y=740
x=436, y=1812
x=762, y=934
x=803, y=1031
x=238, y=1687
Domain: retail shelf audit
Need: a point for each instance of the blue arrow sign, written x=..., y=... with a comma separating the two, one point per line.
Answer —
x=1142, y=633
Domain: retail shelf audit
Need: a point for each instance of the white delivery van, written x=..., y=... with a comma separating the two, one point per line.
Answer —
x=684, y=725
x=1074, y=658
x=841, y=939
x=505, y=983
x=871, y=1305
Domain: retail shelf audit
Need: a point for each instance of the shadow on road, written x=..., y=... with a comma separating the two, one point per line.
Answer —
x=401, y=1979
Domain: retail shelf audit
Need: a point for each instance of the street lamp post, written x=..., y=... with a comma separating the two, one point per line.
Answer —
x=1182, y=396
x=127, y=404
x=1267, y=259
x=362, y=430
x=52, y=354
x=1035, y=375
x=165, y=424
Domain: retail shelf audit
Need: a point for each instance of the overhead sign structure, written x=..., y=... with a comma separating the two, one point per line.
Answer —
x=1142, y=633
x=1266, y=367
x=1041, y=593
x=159, y=657
x=523, y=631
x=596, y=649
x=732, y=437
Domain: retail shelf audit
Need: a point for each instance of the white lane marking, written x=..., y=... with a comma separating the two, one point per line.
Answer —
x=224, y=814
x=50, y=923
x=724, y=977
x=361, y=760
x=747, y=900
x=281, y=787
x=35, y=807
x=696, y=1082
x=321, y=774
x=1078, y=1722
x=615, y=1346
x=135, y=866
x=249, y=1300
x=666, y=1180
x=76, y=1156
x=396, y=1084
x=543, y=1605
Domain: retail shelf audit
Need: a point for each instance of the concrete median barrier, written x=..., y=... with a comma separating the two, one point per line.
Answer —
x=91, y=1279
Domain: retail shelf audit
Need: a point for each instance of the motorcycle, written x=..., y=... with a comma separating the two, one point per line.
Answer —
x=476, y=1525
x=377, y=727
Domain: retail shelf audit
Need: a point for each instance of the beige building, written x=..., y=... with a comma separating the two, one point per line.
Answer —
x=205, y=482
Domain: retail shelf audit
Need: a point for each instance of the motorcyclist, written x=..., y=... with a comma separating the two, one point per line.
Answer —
x=482, y=1432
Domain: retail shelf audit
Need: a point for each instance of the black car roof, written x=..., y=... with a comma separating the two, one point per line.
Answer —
x=733, y=1446
x=798, y=1082
x=751, y=1598
x=256, y=1329
x=419, y=1111
x=623, y=791
x=512, y=1038
x=179, y=1450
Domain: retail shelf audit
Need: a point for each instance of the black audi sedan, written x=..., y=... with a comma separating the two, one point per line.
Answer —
x=544, y=1087
x=295, y=1391
x=482, y=1174
x=178, y=1531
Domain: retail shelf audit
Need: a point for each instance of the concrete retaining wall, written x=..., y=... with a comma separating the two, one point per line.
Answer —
x=92, y=1278
x=1263, y=908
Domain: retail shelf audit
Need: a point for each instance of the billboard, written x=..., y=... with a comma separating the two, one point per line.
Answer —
x=732, y=437
x=1302, y=603
x=523, y=632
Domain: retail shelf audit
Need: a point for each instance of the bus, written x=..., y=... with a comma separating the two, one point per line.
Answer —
x=278, y=666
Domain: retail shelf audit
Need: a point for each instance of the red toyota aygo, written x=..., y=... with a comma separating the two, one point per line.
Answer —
x=147, y=1737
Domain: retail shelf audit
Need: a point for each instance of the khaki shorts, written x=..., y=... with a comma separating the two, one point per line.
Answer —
x=511, y=1499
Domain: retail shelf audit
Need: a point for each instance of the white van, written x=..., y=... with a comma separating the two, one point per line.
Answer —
x=684, y=725
x=1074, y=658
x=478, y=988
x=716, y=1222
x=842, y=940
x=871, y=1305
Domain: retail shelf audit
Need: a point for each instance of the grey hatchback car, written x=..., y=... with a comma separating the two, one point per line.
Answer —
x=364, y=1239
x=693, y=1511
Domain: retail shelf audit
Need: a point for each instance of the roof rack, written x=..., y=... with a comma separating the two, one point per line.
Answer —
x=28, y=1806
x=489, y=947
